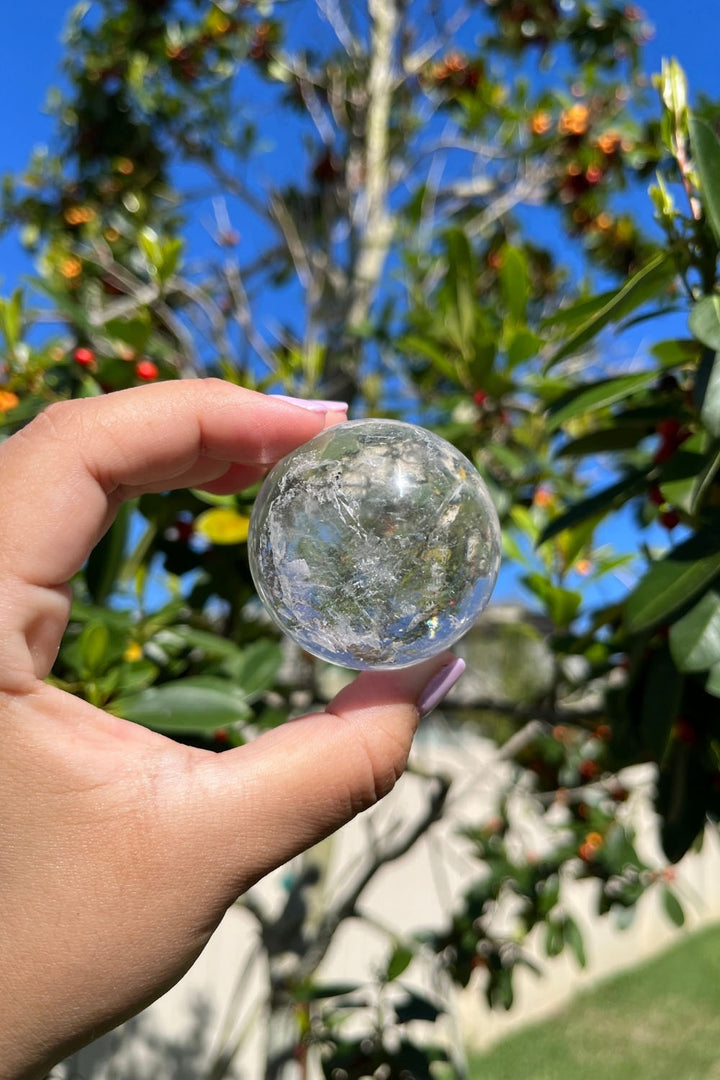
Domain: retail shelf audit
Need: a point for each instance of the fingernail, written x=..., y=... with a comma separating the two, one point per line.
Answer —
x=313, y=406
x=440, y=684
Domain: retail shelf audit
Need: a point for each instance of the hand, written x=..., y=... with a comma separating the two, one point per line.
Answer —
x=120, y=850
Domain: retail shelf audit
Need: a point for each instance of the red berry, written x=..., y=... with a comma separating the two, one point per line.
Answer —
x=480, y=397
x=672, y=435
x=146, y=370
x=84, y=357
x=185, y=530
x=669, y=519
x=593, y=174
x=668, y=429
x=685, y=732
x=588, y=769
x=655, y=495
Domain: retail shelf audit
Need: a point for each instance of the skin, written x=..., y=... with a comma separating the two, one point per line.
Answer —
x=121, y=850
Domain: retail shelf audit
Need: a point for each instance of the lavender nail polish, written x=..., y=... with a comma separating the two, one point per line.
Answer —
x=311, y=405
x=440, y=684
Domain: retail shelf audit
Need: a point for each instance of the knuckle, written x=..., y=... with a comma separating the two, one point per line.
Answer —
x=216, y=384
x=58, y=420
x=54, y=419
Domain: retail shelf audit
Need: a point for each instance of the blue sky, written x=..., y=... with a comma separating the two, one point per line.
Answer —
x=31, y=49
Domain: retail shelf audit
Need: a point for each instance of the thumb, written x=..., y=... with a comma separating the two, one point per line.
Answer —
x=295, y=785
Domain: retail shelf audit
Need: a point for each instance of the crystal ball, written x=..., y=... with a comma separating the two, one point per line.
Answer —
x=374, y=545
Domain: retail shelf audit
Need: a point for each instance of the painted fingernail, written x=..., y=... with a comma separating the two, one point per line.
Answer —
x=440, y=684
x=313, y=406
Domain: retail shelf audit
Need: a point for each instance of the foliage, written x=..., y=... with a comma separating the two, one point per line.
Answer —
x=419, y=152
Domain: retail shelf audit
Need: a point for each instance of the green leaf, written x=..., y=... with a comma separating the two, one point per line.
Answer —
x=594, y=396
x=104, y=567
x=169, y=258
x=507, y=458
x=648, y=282
x=606, y=440
x=523, y=520
x=561, y=604
x=430, y=350
x=577, y=314
x=679, y=475
x=549, y=895
x=712, y=684
x=705, y=477
x=676, y=352
x=93, y=645
x=655, y=701
x=90, y=387
x=500, y=989
x=213, y=646
x=210, y=499
x=571, y=542
x=514, y=282
x=704, y=321
x=461, y=315
x=320, y=991
x=673, y=907
x=695, y=639
x=574, y=941
x=399, y=961
x=255, y=668
x=706, y=152
x=672, y=582
x=707, y=392
x=134, y=332
x=674, y=91
x=522, y=344
x=11, y=318
x=681, y=800
x=554, y=937
x=610, y=498
x=187, y=707
x=135, y=676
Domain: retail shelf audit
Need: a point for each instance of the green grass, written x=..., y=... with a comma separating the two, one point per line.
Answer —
x=660, y=1021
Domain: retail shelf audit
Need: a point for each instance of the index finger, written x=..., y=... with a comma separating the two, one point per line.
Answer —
x=65, y=473
x=63, y=477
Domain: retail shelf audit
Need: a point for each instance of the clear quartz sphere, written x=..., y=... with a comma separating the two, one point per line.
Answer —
x=374, y=545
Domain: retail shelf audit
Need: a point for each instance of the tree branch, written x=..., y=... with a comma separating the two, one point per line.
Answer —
x=333, y=14
x=420, y=57
x=345, y=907
x=376, y=227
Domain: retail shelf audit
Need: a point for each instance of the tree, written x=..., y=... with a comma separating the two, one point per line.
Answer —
x=424, y=149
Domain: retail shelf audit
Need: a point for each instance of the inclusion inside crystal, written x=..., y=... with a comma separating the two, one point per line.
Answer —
x=374, y=545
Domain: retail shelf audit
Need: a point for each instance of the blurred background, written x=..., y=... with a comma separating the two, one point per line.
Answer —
x=499, y=219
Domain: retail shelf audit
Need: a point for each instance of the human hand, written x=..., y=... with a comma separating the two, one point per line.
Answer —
x=120, y=849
